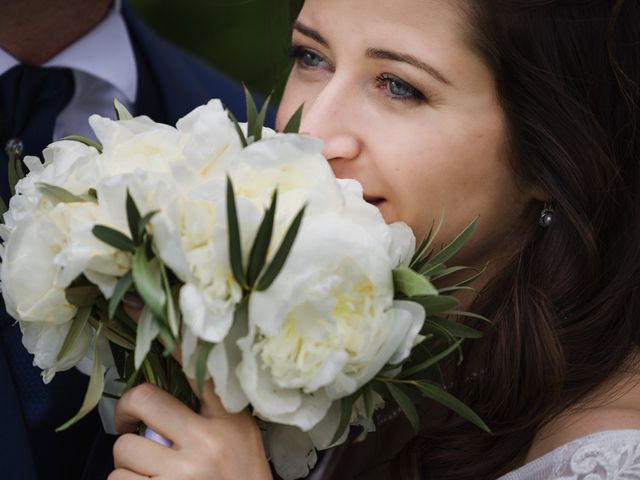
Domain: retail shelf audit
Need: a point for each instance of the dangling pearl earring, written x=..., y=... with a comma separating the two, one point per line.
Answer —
x=546, y=216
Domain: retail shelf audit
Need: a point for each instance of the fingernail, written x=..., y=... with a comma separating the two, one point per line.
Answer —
x=133, y=300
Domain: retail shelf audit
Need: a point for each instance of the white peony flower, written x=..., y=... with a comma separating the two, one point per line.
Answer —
x=318, y=334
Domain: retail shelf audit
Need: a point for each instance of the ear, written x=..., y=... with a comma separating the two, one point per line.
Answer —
x=539, y=193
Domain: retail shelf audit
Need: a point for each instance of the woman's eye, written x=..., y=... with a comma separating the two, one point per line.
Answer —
x=306, y=58
x=399, y=89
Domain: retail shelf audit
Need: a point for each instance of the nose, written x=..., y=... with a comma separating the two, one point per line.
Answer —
x=332, y=117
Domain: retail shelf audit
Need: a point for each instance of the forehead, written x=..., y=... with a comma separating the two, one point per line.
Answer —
x=403, y=22
x=435, y=30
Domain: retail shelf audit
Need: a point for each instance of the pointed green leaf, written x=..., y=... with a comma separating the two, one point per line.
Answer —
x=456, y=244
x=147, y=279
x=133, y=217
x=369, y=400
x=444, y=398
x=94, y=389
x=293, y=125
x=257, y=133
x=15, y=172
x=426, y=242
x=202, y=354
x=87, y=141
x=235, y=244
x=236, y=124
x=252, y=112
x=436, y=304
x=83, y=295
x=455, y=329
x=121, y=111
x=58, y=194
x=142, y=224
x=462, y=313
x=346, y=406
x=78, y=325
x=411, y=283
x=258, y=255
x=430, y=361
x=273, y=269
x=173, y=313
x=116, y=336
x=122, y=286
x=115, y=238
x=148, y=330
x=405, y=404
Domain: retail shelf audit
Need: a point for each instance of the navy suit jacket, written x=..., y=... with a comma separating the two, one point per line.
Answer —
x=182, y=83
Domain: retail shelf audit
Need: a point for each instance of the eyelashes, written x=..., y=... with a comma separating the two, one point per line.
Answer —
x=394, y=88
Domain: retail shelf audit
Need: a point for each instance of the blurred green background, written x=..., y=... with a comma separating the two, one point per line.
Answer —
x=244, y=38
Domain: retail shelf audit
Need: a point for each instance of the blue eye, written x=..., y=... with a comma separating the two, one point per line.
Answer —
x=306, y=58
x=399, y=89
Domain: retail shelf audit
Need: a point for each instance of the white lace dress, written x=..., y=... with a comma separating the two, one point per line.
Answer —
x=609, y=455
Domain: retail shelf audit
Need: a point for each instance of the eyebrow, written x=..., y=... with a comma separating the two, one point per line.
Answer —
x=378, y=53
x=311, y=33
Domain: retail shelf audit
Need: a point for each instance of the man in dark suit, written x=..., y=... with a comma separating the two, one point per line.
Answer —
x=61, y=60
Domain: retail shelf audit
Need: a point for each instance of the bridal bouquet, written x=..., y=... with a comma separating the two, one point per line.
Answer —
x=268, y=274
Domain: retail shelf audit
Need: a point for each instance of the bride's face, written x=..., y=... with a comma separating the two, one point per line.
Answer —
x=406, y=107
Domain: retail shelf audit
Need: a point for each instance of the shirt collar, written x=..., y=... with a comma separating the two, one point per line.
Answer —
x=105, y=52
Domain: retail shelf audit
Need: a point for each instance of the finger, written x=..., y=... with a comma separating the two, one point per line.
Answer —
x=210, y=404
x=156, y=408
x=122, y=474
x=141, y=455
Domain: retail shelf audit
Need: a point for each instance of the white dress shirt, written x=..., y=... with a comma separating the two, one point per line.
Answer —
x=104, y=68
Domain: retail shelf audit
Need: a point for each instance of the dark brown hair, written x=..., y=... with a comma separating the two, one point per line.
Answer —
x=566, y=310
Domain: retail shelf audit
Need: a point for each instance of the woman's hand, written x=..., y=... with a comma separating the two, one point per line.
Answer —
x=211, y=445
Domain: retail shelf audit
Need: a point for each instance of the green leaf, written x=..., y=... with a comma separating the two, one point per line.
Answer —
x=346, y=406
x=133, y=217
x=252, y=113
x=121, y=111
x=15, y=172
x=202, y=354
x=272, y=271
x=3, y=207
x=293, y=125
x=456, y=329
x=142, y=224
x=115, y=238
x=411, y=283
x=405, y=404
x=94, y=389
x=122, y=286
x=260, y=247
x=369, y=400
x=173, y=313
x=444, y=398
x=118, y=337
x=235, y=244
x=436, y=304
x=443, y=272
x=147, y=279
x=426, y=242
x=83, y=295
x=462, y=313
x=87, y=141
x=236, y=124
x=78, y=325
x=257, y=133
x=148, y=330
x=58, y=194
x=454, y=247
x=430, y=361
